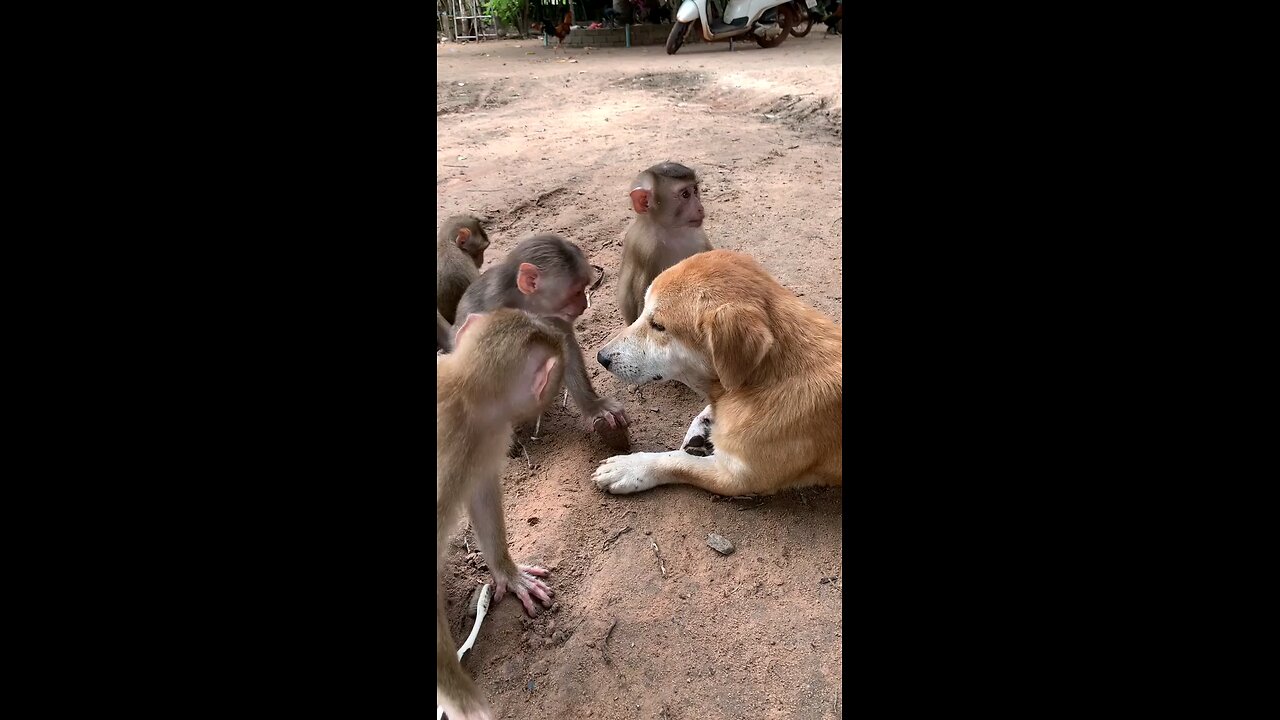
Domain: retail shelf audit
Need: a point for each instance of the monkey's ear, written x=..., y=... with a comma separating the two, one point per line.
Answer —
x=640, y=200
x=472, y=318
x=464, y=234
x=541, y=377
x=527, y=278
x=739, y=338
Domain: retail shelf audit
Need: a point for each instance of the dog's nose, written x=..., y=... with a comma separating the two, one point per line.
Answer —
x=603, y=359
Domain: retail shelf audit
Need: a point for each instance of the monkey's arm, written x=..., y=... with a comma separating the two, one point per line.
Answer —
x=455, y=692
x=593, y=406
x=486, y=517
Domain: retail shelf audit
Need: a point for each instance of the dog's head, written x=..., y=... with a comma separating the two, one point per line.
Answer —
x=704, y=319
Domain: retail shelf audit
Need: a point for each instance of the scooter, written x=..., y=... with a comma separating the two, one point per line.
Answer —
x=807, y=15
x=768, y=22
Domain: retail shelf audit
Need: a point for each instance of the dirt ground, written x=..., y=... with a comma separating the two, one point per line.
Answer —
x=649, y=621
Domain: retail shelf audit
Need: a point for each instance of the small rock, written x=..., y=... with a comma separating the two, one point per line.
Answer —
x=648, y=532
x=720, y=544
x=679, y=104
x=824, y=581
x=684, y=596
x=533, y=521
x=473, y=601
x=530, y=687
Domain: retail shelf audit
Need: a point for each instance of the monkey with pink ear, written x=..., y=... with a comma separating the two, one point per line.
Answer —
x=460, y=246
x=667, y=228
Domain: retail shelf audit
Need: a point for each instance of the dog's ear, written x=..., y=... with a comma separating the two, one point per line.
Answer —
x=739, y=338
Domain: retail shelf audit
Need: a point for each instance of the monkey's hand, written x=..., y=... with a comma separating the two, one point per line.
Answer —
x=523, y=582
x=607, y=411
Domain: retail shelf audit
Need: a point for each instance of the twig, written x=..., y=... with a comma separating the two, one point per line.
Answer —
x=604, y=644
x=614, y=537
x=526, y=456
x=661, y=565
x=536, y=428
x=448, y=165
x=482, y=191
x=565, y=404
x=595, y=285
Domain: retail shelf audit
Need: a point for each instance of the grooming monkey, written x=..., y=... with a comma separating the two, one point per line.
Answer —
x=503, y=370
x=547, y=275
x=667, y=229
x=460, y=247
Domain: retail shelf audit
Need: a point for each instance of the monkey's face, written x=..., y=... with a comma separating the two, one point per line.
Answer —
x=681, y=206
x=567, y=299
x=661, y=344
x=480, y=242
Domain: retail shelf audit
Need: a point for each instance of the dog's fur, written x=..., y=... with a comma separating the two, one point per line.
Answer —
x=770, y=365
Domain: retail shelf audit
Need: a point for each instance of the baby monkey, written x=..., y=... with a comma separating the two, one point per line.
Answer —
x=548, y=276
x=503, y=370
x=460, y=247
x=667, y=229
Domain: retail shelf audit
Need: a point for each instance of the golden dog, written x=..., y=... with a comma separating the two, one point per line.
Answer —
x=769, y=364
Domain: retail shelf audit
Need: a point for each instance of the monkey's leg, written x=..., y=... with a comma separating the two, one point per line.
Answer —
x=455, y=692
x=698, y=440
x=624, y=474
x=490, y=528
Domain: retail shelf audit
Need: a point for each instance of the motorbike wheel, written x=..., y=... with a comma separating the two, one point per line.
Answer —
x=786, y=19
x=803, y=25
x=676, y=38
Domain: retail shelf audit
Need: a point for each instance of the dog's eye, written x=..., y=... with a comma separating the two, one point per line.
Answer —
x=656, y=326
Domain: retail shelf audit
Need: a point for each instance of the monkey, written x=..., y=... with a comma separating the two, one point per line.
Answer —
x=547, y=276
x=667, y=229
x=503, y=370
x=460, y=247
x=444, y=333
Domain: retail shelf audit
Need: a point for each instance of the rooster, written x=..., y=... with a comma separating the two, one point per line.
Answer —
x=561, y=31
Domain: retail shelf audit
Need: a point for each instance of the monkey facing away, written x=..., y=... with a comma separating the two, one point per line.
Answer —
x=547, y=276
x=667, y=229
x=503, y=370
x=460, y=247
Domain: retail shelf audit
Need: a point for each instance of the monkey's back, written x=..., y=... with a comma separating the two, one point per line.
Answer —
x=455, y=272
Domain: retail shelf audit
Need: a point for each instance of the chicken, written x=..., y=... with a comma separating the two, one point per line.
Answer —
x=561, y=31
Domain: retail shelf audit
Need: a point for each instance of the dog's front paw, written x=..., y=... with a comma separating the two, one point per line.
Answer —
x=622, y=474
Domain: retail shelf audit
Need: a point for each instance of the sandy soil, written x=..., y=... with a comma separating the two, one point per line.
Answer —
x=533, y=139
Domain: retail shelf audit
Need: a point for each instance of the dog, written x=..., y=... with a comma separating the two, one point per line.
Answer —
x=769, y=364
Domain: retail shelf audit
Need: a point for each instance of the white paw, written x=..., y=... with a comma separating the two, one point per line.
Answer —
x=622, y=474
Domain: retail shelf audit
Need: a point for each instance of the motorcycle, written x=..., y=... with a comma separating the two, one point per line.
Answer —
x=808, y=15
x=768, y=22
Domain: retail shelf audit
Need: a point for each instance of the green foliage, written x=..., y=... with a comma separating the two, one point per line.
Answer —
x=508, y=11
